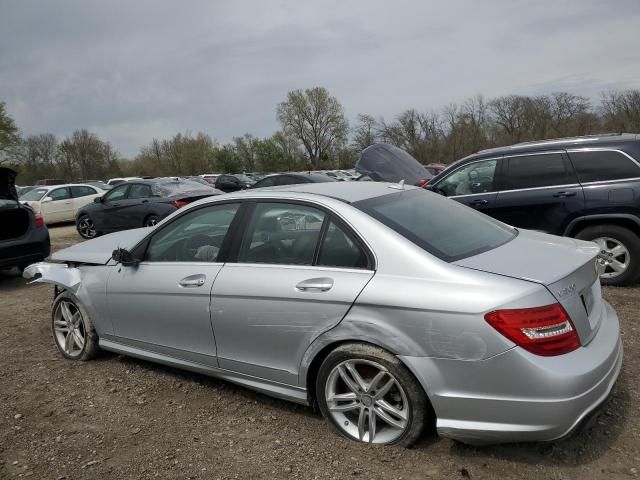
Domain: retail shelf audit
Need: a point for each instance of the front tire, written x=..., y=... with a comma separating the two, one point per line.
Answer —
x=619, y=256
x=368, y=395
x=73, y=331
x=85, y=227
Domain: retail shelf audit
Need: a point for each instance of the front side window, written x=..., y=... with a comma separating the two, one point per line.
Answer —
x=281, y=233
x=475, y=177
x=139, y=190
x=60, y=194
x=117, y=193
x=196, y=236
x=340, y=249
x=442, y=227
x=82, y=191
x=531, y=171
x=601, y=165
x=265, y=182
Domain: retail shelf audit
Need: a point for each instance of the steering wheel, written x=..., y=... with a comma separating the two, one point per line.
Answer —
x=192, y=244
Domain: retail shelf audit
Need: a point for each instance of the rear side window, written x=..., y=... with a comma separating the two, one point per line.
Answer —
x=282, y=234
x=60, y=194
x=442, y=227
x=139, y=190
x=339, y=249
x=531, y=171
x=82, y=191
x=599, y=166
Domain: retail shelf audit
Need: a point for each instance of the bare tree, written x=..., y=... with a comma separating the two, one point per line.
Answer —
x=364, y=133
x=316, y=119
x=621, y=111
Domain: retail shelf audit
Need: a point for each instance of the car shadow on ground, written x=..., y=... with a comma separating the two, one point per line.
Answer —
x=584, y=446
x=591, y=439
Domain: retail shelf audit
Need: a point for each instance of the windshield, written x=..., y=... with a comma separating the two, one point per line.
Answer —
x=177, y=186
x=34, y=195
x=442, y=227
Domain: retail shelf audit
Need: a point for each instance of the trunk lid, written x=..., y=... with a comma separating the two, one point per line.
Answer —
x=8, y=184
x=386, y=163
x=565, y=266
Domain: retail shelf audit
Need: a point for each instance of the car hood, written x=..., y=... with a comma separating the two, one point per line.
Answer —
x=98, y=251
x=535, y=256
x=8, y=184
x=384, y=162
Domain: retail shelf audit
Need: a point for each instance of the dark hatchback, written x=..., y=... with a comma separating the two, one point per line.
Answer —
x=24, y=238
x=233, y=183
x=291, y=179
x=583, y=187
x=138, y=203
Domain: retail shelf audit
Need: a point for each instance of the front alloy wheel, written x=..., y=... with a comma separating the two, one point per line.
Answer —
x=72, y=329
x=85, y=227
x=367, y=401
x=613, y=257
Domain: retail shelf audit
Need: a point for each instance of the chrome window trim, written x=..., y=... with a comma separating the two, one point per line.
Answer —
x=469, y=163
x=534, y=154
x=607, y=182
x=570, y=185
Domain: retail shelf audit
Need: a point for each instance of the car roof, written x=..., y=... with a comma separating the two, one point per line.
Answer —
x=52, y=187
x=348, y=192
x=583, y=141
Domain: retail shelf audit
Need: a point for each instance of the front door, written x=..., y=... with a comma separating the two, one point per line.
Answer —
x=162, y=305
x=539, y=192
x=474, y=184
x=104, y=217
x=295, y=275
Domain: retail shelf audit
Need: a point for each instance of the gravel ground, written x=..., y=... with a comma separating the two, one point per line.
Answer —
x=121, y=418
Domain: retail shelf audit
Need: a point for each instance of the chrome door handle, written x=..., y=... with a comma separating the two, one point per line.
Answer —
x=564, y=194
x=315, y=285
x=193, y=281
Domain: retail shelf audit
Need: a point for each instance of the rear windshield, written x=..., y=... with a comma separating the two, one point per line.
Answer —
x=34, y=195
x=441, y=226
x=176, y=187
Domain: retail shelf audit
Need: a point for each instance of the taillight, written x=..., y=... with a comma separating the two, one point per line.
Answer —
x=544, y=330
x=178, y=203
x=422, y=182
x=38, y=220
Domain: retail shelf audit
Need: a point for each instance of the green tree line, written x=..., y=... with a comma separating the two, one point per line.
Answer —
x=316, y=134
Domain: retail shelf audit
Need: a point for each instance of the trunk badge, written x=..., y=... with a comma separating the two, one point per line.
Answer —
x=566, y=291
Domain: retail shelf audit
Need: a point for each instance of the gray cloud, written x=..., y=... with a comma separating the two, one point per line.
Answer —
x=132, y=71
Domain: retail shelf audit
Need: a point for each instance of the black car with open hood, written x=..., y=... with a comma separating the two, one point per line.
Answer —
x=382, y=162
x=24, y=238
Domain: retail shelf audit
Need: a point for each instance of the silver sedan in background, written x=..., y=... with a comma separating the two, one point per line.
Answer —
x=381, y=304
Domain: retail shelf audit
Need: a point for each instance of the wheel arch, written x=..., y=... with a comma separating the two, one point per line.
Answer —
x=625, y=220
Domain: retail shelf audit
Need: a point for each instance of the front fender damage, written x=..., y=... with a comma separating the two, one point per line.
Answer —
x=59, y=274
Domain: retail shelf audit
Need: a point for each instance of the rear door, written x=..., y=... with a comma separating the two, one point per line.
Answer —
x=82, y=195
x=294, y=275
x=475, y=184
x=539, y=191
x=60, y=208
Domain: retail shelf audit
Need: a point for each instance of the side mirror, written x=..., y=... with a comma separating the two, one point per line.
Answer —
x=124, y=257
x=97, y=200
x=47, y=199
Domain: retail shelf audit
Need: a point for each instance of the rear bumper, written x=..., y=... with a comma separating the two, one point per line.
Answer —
x=35, y=247
x=517, y=396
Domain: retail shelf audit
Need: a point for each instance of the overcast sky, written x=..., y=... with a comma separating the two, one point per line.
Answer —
x=134, y=70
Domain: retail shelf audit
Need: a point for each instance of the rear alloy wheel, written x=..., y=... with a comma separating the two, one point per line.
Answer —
x=151, y=220
x=619, y=252
x=85, y=227
x=370, y=396
x=72, y=329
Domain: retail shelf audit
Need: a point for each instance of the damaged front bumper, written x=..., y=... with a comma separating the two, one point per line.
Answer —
x=59, y=274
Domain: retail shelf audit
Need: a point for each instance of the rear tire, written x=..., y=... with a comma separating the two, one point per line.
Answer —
x=619, y=252
x=381, y=387
x=72, y=329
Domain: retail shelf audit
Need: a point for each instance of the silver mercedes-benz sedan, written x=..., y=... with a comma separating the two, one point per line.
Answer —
x=383, y=305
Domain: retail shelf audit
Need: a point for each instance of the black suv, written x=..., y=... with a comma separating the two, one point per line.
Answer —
x=583, y=187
